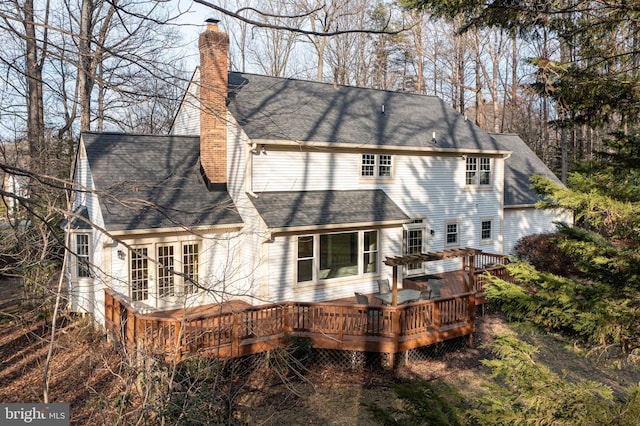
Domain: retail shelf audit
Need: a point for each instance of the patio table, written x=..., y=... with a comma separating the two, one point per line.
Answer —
x=405, y=295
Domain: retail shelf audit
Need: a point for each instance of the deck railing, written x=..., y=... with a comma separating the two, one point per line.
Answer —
x=260, y=328
x=486, y=263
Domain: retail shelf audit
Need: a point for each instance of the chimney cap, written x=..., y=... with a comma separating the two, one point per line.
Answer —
x=211, y=21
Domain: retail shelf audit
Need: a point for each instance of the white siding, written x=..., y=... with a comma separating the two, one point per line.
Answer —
x=520, y=222
x=424, y=186
x=187, y=120
x=87, y=294
x=253, y=258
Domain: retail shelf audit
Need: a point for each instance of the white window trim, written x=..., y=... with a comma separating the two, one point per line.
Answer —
x=149, y=268
x=179, y=282
x=417, y=224
x=77, y=263
x=446, y=233
x=153, y=267
x=313, y=258
x=316, y=258
x=492, y=229
x=376, y=167
x=476, y=181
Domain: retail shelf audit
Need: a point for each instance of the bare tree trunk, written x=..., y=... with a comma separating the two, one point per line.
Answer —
x=35, y=102
x=478, y=75
x=85, y=77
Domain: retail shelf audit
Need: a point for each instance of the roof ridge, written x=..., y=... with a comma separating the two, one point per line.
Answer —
x=347, y=86
x=152, y=135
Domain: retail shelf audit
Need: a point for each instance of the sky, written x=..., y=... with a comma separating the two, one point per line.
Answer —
x=192, y=21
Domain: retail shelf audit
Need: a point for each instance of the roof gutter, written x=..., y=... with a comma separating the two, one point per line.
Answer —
x=364, y=146
x=334, y=226
x=178, y=229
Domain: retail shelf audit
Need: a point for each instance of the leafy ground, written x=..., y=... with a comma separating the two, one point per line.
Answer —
x=87, y=373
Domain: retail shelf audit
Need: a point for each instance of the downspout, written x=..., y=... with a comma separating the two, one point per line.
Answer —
x=501, y=242
x=248, y=169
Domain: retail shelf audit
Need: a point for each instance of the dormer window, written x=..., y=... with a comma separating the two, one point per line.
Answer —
x=376, y=165
x=478, y=171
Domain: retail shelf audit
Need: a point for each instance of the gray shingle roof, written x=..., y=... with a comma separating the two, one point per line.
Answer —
x=80, y=219
x=288, y=209
x=271, y=108
x=519, y=168
x=146, y=182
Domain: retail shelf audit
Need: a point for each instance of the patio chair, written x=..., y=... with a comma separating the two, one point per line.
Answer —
x=383, y=286
x=435, y=288
x=361, y=299
x=373, y=317
x=425, y=295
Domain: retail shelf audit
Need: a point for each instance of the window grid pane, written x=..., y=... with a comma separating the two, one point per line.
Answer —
x=485, y=171
x=471, y=170
x=139, y=274
x=190, y=268
x=166, y=282
x=452, y=233
x=305, y=259
x=370, y=252
x=368, y=165
x=384, y=169
x=486, y=230
x=414, y=245
x=82, y=252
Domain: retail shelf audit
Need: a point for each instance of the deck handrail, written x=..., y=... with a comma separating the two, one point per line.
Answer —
x=260, y=328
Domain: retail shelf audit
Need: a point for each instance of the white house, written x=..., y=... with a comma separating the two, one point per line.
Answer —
x=271, y=189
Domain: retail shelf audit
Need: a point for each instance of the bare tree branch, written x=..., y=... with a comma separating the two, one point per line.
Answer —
x=236, y=15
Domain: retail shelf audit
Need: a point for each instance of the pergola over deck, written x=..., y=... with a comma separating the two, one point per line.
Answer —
x=468, y=256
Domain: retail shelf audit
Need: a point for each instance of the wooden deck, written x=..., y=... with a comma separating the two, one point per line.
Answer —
x=237, y=329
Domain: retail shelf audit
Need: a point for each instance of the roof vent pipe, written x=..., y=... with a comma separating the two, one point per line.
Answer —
x=383, y=108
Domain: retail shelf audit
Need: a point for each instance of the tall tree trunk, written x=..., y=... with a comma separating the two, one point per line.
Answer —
x=85, y=76
x=419, y=55
x=478, y=77
x=34, y=98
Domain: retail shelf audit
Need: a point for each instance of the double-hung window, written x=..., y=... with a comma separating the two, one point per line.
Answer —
x=306, y=258
x=478, y=171
x=370, y=252
x=452, y=233
x=376, y=165
x=336, y=255
x=82, y=256
x=486, y=230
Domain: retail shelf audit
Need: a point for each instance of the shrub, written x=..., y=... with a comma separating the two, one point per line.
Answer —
x=543, y=252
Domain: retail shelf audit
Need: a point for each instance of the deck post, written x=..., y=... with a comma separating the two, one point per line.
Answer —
x=130, y=331
x=472, y=273
x=472, y=317
x=235, y=336
x=395, y=319
x=178, y=338
x=394, y=290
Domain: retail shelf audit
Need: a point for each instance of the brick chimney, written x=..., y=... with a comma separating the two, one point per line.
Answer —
x=214, y=51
